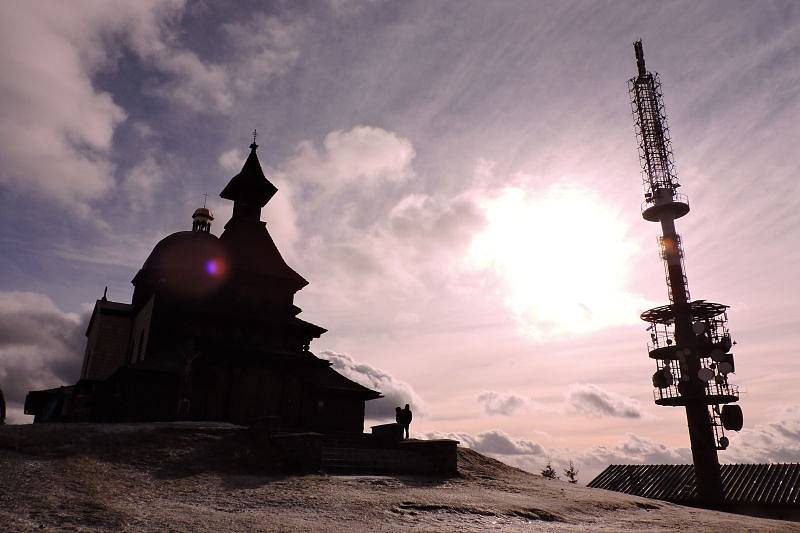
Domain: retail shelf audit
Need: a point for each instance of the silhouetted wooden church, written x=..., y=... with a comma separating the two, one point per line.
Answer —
x=212, y=333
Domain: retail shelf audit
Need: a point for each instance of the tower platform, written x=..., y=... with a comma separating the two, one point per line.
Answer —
x=678, y=207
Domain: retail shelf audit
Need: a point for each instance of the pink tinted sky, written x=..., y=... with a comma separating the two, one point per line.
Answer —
x=458, y=181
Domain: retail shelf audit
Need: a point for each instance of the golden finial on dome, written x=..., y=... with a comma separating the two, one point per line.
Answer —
x=202, y=217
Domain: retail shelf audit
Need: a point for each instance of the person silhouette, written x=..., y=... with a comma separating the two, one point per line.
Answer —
x=405, y=419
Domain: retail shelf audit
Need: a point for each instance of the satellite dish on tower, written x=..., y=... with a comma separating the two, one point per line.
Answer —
x=732, y=418
x=717, y=355
x=706, y=374
x=725, y=367
x=663, y=379
x=698, y=328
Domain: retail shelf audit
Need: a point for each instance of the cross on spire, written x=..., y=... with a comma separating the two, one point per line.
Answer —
x=205, y=198
x=254, y=145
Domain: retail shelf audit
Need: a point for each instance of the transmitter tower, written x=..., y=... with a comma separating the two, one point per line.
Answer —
x=689, y=340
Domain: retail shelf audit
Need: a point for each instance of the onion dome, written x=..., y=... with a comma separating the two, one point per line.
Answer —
x=188, y=264
x=201, y=219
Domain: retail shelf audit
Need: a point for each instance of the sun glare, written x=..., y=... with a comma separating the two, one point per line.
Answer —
x=561, y=257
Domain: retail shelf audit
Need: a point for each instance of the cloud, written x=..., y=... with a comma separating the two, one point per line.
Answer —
x=499, y=443
x=362, y=154
x=636, y=449
x=56, y=125
x=143, y=130
x=257, y=50
x=314, y=180
x=141, y=183
x=40, y=345
x=56, y=128
x=429, y=224
x=365, y=173
x=494, y=442
x=369, y=237
x=199, y=86
x=347, y=8
x=376, y=253
x=532, y=456
x=263, y=47
x=775, y=441
x=500, y=403
x=128, y=251
x=589, y=399
x=281, y=219
x=395, y=392
x=232, y=160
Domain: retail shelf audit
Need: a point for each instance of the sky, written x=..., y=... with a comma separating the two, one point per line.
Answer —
x=458, y=181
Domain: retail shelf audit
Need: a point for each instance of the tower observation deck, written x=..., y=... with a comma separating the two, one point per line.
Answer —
x=689, y=340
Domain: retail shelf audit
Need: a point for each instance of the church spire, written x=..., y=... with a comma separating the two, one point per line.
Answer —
x=249, y=190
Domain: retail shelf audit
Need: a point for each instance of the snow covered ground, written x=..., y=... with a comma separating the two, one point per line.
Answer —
x=212, y=477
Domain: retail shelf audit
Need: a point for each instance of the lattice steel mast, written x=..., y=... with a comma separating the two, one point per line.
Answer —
x=689, y=339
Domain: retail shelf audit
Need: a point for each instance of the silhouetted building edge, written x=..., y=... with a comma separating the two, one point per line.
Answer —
x=211, y=333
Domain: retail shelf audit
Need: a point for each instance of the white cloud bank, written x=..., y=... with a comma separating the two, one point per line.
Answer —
x=396, y=393
x=494, y=442
x=582, y=398
x=502, y=403
x=362, y=154
x=775, y=441
x=591, y=400
x=532, y=456
x=40, y=346
x=141, y=183
x=57, y=127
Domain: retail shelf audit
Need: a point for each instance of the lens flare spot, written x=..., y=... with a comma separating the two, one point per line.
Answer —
x=213, y=267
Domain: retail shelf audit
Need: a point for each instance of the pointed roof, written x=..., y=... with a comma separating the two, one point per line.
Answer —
x=250, y=185
x=252, y=249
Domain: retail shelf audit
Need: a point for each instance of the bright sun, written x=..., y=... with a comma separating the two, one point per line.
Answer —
x=561, y=257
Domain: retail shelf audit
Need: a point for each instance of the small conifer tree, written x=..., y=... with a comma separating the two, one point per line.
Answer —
x=549, y=472
x=571, y=472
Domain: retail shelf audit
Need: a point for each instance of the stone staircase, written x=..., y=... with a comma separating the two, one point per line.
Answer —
x=363, y=454
x=363, y=460
x=348, y=440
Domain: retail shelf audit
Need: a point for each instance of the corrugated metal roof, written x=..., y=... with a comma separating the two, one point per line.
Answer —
x=762, y=484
